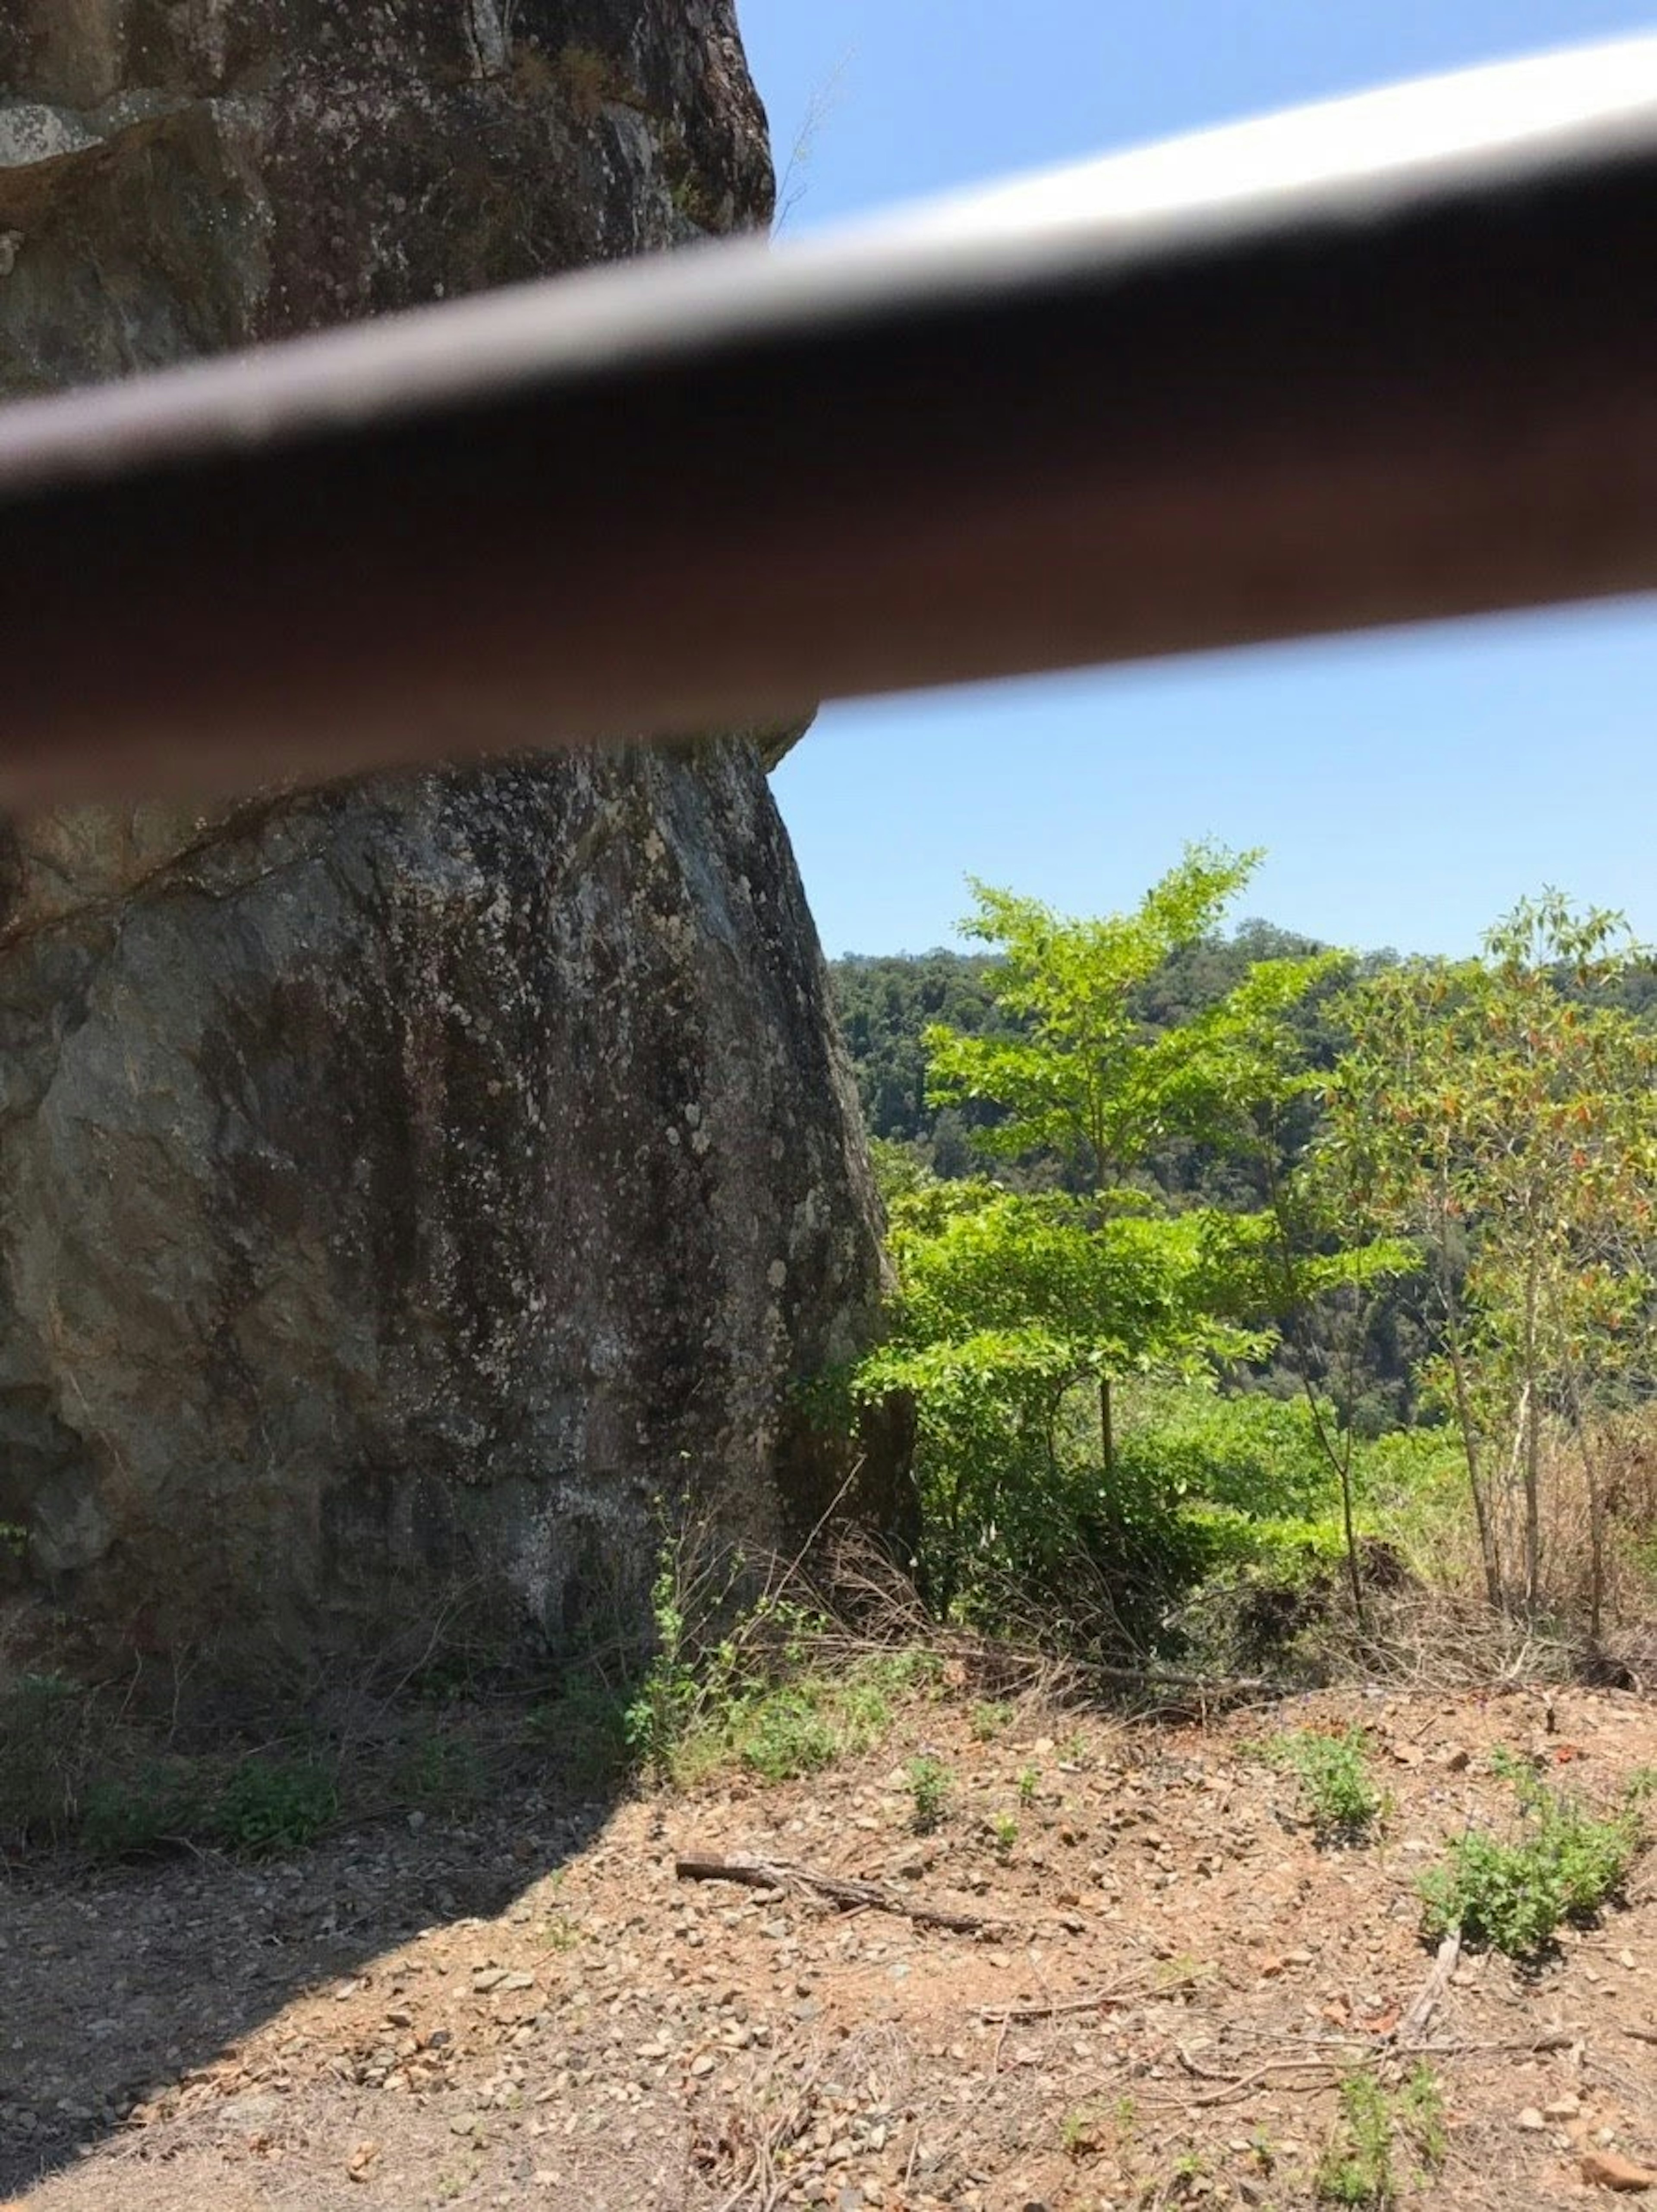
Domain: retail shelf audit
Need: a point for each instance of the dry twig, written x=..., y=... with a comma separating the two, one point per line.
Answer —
x=1413, y=2025
x=768, y=1873
x=1117, y=1993
x=1227, y=2088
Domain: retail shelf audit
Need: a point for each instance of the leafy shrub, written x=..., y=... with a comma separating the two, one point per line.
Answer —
x=442, y=1773
x=50, y=1732
x=1333, y=1770
x=785, y=1735
x=930, y=1784
x=760, y=1696
x=267, y=1807
x=1562, y=1862
x=1258, y=1454
x=129, y=1816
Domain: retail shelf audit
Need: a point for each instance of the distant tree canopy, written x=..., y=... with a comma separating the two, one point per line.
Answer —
x=1131, y=1154
x=887, y=1002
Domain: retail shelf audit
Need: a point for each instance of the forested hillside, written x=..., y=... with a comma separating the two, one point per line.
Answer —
x=887, y=1001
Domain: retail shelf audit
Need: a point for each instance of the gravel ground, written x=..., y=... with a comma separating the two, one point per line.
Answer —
x=533, y=2007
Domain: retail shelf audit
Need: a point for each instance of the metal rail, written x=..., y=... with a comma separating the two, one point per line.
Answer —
x=1387, y=359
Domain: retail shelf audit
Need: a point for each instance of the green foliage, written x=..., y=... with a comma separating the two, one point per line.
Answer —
x=441, y=1772
x=1501, y=1113
x=661, y=1713
x=885, y=1005
x=1086, y=1081
x=1561, y=1863
x=1030, y=1782
x=584, y=1732
x=1004, y=1830
x=129, y=1816
x=268, y=1806
x=1020, y=1311
x=759, y=1695
x=1251, y=1162
x=1258, y=1454
x=1357, y=2166
x=990, y=1721
x=51, y=1733
x=1421, y=2114
x=1333, y=1773
x=930, y=1786
x=900, y=1170
x=788, y=1734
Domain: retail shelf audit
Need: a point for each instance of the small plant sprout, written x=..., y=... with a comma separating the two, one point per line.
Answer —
x=1357, y=2166
x=1005, y=1828
x=930, y=1782
x=1422, y=2115
x=1029, y=1783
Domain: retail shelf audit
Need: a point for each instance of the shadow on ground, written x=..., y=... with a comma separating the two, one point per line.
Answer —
x=121, y=1983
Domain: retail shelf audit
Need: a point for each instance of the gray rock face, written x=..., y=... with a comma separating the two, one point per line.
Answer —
x=400, y=1184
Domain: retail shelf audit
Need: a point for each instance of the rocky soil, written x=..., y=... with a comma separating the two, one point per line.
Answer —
x=533, y=2007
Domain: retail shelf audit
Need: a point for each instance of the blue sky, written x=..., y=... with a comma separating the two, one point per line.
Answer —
x=1407, y=788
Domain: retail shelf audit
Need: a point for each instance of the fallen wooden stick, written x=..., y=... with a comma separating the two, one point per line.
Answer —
x=1414, y=2022
x=1020, y=2016
x=768, y=1873
x=1227, y=2088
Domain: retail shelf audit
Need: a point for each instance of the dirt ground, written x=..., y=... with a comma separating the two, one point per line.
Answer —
x=533, y=2007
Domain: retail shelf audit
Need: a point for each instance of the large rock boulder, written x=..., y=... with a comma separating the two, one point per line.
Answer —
x=403, y=1184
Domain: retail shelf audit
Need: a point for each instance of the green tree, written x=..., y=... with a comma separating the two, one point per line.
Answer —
x=1502, y=1113
x=1307, y=1263
x=1011, y=1301
x=1088, y=1079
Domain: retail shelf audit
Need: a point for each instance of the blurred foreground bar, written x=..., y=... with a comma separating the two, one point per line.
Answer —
x=1389, y=358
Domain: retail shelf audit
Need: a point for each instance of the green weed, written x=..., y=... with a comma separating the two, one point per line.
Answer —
x=990, y=1721
x=129, y=1817
x=1561, y=1863
x=930, y=1784
x=1029, y=1783
x=265, y=1808
x=785, y=1735
x=1357, y=2166
x=583, y=1733
x=1422, y=2115
x=1333, y=1774
x=1087, y=2130
x=440, y=1773
x=50, y=1734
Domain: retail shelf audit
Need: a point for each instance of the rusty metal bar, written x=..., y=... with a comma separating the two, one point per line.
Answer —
x=1389, y=358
